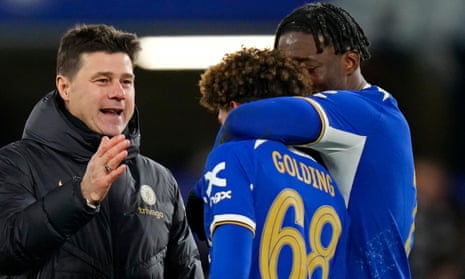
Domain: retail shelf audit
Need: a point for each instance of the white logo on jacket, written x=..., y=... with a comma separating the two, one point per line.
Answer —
x=148, y=195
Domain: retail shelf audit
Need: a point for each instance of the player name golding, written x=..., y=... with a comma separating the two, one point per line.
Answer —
x=320, y=180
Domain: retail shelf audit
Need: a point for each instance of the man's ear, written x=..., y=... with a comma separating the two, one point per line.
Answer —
x=234, y=104
x=62, y=84
x=351, y=62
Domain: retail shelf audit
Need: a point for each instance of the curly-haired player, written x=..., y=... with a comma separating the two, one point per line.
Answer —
x=270, y=211
x=251, y=74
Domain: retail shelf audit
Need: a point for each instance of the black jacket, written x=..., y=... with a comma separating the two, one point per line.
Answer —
x=46, y=229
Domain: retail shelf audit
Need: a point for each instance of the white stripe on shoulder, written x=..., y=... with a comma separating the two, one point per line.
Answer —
x=232, y=218
x=323, y=118
x=258, y=143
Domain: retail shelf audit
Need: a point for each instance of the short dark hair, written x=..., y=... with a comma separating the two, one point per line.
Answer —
x=338, y=28
x=251, y=74
x=84, y=38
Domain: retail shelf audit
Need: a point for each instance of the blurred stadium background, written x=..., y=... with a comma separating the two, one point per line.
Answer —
x=418, y=50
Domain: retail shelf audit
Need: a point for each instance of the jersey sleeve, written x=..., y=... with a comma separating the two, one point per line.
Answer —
x=231, y=259
x=226, y=189
x=284, y=119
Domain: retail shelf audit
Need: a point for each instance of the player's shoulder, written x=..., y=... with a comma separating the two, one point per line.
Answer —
x=231, y=148
x=246, y=144
x=234, y=145
x=241, y=148
x=369, y=88
x=337, y=96
x=367, y=96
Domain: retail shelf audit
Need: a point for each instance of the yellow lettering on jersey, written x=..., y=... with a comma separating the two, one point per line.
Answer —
x=286, y=164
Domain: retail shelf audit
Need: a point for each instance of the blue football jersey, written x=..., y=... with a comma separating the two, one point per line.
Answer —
x=286, y=199
x=364, y=141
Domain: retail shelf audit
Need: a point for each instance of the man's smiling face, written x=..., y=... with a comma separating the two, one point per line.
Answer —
x=102, y=93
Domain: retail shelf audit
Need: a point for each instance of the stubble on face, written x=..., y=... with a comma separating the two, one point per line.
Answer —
x=102, y=92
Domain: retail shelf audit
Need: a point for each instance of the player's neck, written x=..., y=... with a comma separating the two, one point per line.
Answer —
x=357, y=82
x=362, y=84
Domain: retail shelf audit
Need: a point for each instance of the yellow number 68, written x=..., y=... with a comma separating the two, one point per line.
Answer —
x=275, y=237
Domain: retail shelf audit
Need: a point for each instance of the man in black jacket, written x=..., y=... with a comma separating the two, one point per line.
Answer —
x=77, y=199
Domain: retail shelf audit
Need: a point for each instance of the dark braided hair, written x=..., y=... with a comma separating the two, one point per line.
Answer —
x=337, y=27
x=252, y=74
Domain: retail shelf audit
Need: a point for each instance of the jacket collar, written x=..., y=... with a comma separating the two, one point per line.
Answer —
x=52, y=125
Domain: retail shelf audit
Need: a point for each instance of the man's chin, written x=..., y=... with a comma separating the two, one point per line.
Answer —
x=111, y=132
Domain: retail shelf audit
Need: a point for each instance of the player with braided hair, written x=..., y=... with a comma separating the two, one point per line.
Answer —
x=357, y=128
x=338, y=40
x=335, y=26
x=270, y=211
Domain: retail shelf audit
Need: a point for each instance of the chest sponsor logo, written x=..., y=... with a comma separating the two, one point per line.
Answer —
x=213, y=178
x=219, y=196
x=148, y=211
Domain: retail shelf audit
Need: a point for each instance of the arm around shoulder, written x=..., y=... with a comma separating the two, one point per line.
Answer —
x=292, y=120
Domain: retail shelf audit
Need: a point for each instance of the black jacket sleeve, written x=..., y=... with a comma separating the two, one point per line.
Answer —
x=32, y=228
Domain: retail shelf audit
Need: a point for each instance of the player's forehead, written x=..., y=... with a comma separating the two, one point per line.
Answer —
x=298, y=45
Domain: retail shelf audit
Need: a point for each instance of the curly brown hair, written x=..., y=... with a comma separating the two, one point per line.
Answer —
x=251, y=74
